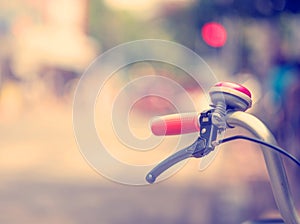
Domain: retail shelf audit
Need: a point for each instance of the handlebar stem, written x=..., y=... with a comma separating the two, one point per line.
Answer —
x=274, y=163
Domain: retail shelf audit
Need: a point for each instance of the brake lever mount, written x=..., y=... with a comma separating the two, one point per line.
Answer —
x=208, y=134
x=201, y=147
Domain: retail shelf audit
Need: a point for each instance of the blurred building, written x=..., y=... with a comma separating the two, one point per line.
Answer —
x=47, y=40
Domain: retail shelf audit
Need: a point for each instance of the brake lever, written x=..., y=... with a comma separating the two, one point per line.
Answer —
x=201, y=147
x=175, y=158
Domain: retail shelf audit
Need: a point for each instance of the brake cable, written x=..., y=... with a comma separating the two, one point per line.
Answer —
x=270, y=146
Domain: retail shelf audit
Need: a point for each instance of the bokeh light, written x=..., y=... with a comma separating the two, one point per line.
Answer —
x=214, y=34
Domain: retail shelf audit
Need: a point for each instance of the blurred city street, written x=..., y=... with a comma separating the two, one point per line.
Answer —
x=46, y=179
x=46, y=47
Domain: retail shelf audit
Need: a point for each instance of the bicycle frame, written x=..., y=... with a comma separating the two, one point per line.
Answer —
x=274, y=163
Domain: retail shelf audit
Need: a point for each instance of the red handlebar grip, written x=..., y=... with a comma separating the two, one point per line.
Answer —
x=175, y=124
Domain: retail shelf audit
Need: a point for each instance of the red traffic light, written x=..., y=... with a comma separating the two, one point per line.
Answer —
x=214, y=34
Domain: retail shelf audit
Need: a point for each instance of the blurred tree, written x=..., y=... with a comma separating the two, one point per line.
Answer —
x=111, y=27
x=185, y=23
x=107, y=26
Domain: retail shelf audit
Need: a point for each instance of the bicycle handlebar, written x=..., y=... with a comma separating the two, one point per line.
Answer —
x=274, y=164
x=230, y=101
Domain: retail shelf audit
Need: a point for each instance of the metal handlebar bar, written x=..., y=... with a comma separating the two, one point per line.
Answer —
x=274, y=164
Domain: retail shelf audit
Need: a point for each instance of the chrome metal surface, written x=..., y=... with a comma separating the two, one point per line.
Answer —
x=275, y=167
